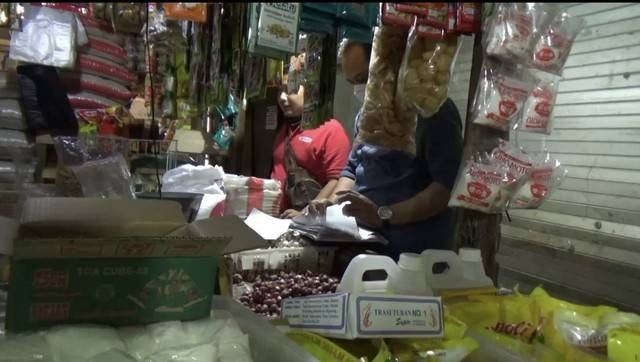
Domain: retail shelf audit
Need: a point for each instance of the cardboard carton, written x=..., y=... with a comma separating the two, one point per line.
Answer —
x=364, y=315
x=116, y=262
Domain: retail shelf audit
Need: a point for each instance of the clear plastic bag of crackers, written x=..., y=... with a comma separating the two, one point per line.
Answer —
x=537, y=114
x=426, y=69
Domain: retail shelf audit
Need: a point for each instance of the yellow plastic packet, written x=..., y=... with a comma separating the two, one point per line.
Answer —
x=333, y=350
x=624, y=344
x=431, y=350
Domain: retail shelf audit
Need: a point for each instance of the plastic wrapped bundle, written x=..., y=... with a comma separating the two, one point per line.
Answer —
x=247, y=193
x=384, y=121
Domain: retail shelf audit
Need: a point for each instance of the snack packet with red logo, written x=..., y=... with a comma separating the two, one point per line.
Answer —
x=468, y=17
x=393, y=15
x=554, y=45
x=482, y=186
x=537, y=115
x=513, y=29
x=545, y=177
x=516, y=161
x=500, y=95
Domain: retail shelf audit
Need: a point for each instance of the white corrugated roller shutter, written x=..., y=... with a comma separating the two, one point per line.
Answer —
x=585, y=241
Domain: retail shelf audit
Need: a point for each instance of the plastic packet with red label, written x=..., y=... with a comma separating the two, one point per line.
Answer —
x=392, y=15
x=554, y=45
x=420, y=9
x=423, y=80
x=545, y=177
x=468, y=19
x=537, y=114
x=501, y=94
x=517, y=163
x=513, y=29
x=483, y=186
x=437, y=16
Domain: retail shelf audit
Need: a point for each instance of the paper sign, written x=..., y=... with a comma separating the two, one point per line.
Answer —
x=322, y=312
x=278, y=26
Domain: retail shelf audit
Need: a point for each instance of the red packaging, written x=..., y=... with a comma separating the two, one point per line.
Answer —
x=420, y=9
x=87, y=100
x=428, y=31
x=186, y=11
x=452, y=19
x=108, y=48
x=481, y=187
x=468, y=18
x=105, y=68
x=437, y=15
x=391, y=15
x=79, y=82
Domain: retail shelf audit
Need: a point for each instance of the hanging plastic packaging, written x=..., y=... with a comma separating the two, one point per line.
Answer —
x=187, y=11
x=537, y=115
x=500, y=95
x=467, y=17
x=127, y=17
x=48, y=37
x=392, y=15
x=546, y=176
x=554, y=45
x=482, y=186
x=513, y=29
x=426, y=68
x=514, y=159
x=385, y=122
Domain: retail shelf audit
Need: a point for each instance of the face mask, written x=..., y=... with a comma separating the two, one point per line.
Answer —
x=358, y=91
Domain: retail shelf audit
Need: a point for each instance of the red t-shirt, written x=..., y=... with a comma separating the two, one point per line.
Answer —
x=322, y=151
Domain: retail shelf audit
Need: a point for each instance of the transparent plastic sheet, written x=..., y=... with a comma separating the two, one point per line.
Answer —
x=554, y=45
x=546, y=176
x=426, y=69
x=163, y=32
x=127, y=17
x=79, y=157
x=386, y=120
x=482, y=185
x=513, y=29
x=501, y=93
x=311, y=81
x=537, y=115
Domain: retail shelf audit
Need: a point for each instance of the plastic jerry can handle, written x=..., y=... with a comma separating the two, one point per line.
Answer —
x=433, y=257
x=352, y=279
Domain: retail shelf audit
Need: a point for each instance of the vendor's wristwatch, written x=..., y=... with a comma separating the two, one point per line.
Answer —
x=385, y=214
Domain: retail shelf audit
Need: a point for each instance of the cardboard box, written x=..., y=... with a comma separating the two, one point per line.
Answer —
x=116, y=262
x=350, y=316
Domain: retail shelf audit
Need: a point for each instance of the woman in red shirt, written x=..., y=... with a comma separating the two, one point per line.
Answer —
x=322, y=151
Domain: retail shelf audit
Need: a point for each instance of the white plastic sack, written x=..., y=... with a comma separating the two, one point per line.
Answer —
x=206, y=180
x=79, y=343
x=199, y=353
x=24, y=348
x=48, y=37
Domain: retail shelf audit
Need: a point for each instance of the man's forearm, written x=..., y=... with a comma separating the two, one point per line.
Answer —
x=344, y=184
x=429, y=202
x=327, y=190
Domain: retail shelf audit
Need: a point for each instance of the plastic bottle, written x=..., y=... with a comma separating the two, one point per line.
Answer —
x=465, y=271
x=352, y=278
x=411, y=276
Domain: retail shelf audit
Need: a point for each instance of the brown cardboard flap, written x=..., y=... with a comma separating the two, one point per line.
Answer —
x=134, y=247
x=242, y=236
x=85, y=217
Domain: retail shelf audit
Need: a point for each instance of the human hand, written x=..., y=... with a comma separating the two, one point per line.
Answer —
x=290, y=214
x=364, y=210
x=319, y=207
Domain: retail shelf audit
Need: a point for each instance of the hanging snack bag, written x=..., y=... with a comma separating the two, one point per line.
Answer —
x=187, y=11
x=480, y=186
x=393, y=15
x=538, y=109
x=518, y=165
x=468, y=17
x=554, y=45
x=500, y=95
x=545, y=177
x=437, y=16
x=379, y=124
x=426, y=68
x=513, y=29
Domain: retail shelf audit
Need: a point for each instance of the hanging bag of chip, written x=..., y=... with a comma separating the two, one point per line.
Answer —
x=545, y=177
x=537, y=115
x=482, y=185
x=554, y=45
x=513, y=29
x=500, y=96
x=187, y=11
x=423, y=80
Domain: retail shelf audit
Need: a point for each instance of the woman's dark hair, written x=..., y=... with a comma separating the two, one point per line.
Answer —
x=347, y=44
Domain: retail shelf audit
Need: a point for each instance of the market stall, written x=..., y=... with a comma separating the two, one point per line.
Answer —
x=141, y=218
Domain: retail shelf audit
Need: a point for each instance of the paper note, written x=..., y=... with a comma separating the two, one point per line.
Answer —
x=268, y=227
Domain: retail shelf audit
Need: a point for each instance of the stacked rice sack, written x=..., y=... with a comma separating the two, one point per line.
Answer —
x=12, y=122
x=103, y=75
